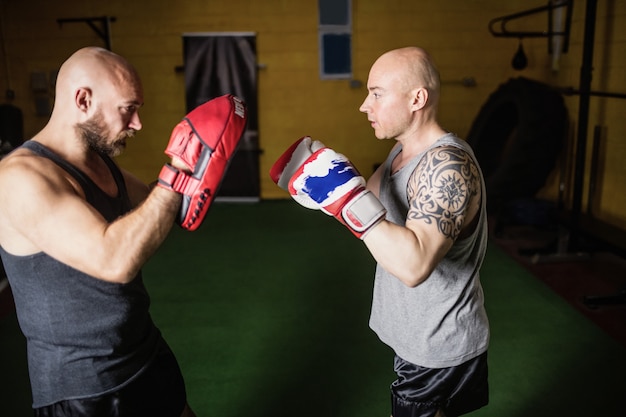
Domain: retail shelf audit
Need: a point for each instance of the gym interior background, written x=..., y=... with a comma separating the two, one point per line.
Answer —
x=465, y=37
x=500, y=71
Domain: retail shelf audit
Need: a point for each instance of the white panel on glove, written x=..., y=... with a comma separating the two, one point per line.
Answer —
x=326, y=177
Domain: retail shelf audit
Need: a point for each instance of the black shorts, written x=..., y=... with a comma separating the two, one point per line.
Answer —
x=420, y=392
x=158, y=391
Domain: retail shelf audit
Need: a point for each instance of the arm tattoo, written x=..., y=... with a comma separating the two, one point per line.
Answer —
x=441, y=188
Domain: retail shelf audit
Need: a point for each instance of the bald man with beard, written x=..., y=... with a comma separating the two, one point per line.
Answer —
x=75, y=231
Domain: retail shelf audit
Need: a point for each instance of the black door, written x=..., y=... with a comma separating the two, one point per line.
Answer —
x=225, y=63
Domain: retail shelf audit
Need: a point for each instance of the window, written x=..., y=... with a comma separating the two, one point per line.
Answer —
x=335, y=39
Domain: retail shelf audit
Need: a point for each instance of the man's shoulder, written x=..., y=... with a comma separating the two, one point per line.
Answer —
x=21, y=160
x=24, y=171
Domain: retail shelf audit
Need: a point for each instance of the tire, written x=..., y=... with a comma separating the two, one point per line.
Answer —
x=517, y=137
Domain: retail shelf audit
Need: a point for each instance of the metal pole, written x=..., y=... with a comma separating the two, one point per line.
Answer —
x=583, y=118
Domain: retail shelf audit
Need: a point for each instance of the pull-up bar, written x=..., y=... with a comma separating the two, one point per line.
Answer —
x=104, y=32
x=504, y=32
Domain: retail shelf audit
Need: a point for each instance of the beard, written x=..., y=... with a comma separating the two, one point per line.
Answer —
x=94, y=133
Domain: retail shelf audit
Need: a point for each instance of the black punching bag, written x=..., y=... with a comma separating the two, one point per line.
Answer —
x=519, y=59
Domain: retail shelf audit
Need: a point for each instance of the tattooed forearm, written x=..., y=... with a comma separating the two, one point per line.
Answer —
x=441, y=188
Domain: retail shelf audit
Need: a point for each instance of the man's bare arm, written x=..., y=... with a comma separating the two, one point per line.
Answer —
x=442, y=190
x=43, y=211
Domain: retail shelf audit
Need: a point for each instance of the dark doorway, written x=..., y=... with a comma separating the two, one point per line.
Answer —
x=218, y=63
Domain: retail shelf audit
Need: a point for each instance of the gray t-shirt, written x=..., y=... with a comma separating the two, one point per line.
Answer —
x=442, y=322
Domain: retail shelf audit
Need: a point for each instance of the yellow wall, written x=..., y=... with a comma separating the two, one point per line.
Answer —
x=293, y=101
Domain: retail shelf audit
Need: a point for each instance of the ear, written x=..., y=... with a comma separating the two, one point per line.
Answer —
x=82, y=98
x=419, y=97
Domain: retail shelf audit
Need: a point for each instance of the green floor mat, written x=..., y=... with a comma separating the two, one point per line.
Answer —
x=266, y=307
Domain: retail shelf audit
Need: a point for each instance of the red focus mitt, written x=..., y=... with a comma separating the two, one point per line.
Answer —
x=205, y=140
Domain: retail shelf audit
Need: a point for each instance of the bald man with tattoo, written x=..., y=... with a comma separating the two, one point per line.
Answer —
x=428, y=301
x=422, y=216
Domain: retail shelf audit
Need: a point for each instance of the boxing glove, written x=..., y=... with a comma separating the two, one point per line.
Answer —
x=205, y=140
x=290, y=161
x=326, y=180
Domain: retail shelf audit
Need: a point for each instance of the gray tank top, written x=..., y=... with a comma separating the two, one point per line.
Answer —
x=441, y=322
x=85, y=337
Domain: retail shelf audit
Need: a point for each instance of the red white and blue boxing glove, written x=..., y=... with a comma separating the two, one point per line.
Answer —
x=205, y=140
x=290, y=161
x=320, y=178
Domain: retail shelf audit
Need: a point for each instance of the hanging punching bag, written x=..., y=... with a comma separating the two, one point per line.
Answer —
x=519, y=59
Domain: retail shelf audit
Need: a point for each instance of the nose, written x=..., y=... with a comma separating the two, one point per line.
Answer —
x=135, y=122
x=364, y=107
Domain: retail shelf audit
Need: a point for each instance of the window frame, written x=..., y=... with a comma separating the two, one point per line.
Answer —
x=341, y=31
